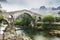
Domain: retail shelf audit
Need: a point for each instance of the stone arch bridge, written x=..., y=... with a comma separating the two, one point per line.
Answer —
x=9, y=16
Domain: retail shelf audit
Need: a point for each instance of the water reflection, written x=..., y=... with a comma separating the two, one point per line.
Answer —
x=56, y=38
x=41, y=37
x=36, y=37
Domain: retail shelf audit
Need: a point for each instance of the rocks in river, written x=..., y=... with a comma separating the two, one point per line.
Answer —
x=14, y=36
x=23, y=37
x=10, y=34
x=55, y=32
x=1, y=37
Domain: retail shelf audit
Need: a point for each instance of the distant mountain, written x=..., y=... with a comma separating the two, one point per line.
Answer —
x=42, y=8
x=58, y=8
x=45, y=9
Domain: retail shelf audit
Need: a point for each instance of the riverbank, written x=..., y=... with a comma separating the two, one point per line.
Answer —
x=1, y=36
x=12, y=36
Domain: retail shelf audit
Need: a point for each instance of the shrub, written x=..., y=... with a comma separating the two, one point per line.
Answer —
x=1, y=18
x=57, y=19
x=49, y=18
x=47, y=26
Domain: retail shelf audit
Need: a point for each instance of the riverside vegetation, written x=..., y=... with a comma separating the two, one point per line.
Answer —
x=46, y=25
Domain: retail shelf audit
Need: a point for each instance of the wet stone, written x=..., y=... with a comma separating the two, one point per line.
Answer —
x=14, y=36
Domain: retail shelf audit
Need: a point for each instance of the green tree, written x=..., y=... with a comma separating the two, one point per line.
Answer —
x=23, y=19
x=49, y=18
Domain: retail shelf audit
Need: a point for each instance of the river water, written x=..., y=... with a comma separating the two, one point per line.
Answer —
x=36, y=37
x=41, y=37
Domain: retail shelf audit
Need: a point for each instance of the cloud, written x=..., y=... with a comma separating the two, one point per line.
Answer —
x=17, y=2
x=22, y=4
x=3, y=1
x=53, y=3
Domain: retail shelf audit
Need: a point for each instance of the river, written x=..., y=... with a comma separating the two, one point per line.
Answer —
x=36, y=37
x=41, y=37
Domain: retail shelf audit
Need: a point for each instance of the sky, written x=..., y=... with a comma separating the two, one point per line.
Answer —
x=13, y=5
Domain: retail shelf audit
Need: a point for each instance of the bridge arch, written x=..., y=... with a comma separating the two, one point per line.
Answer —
x=18, y=14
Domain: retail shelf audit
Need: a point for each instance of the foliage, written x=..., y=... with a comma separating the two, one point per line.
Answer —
x=57, y=27
x=0, y=11
x=4, y=21
x=57, y=19
x=23, y=19
x=1, y=18
x=47, y=26
x=49, y=18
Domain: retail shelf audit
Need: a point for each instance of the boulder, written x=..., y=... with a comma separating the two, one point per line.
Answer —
x=55, y=32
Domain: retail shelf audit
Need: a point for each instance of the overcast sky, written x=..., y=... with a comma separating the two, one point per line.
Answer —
x=13, y=5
